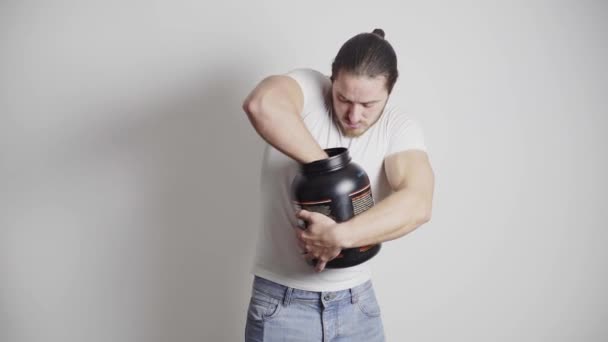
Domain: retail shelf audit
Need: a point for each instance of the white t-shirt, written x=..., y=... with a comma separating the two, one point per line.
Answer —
x=278, y=256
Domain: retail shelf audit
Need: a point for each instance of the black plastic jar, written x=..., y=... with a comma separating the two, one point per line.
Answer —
x=337, y=188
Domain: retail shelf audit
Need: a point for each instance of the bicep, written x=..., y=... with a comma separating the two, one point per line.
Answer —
x=292, y=90
x=410, y=169
x=273, y=91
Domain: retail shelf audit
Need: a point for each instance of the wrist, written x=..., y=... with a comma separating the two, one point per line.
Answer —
x=344, y=235
x=319, y=155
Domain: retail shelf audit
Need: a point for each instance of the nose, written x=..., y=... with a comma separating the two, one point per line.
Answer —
x=355, y=114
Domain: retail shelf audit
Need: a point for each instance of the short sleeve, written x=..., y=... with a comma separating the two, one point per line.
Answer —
x=314, y=86
x=405, y=134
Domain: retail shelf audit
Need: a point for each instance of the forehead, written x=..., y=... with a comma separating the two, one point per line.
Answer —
x=360, y=88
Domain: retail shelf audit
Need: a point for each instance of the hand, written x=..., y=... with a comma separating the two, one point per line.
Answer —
x=320, y=239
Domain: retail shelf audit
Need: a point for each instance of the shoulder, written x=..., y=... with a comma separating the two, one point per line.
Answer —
x=402, y=130
x=307, y=73
x=396, y=118
x=314, y=85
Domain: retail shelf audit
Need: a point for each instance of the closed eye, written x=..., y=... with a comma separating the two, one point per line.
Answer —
x=343, y=100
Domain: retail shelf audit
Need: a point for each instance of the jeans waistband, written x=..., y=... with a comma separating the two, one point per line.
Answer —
x=286, y=294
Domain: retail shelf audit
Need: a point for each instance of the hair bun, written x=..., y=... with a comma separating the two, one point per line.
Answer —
x=378, y=32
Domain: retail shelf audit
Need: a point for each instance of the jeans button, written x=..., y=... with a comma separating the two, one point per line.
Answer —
x=327, y=297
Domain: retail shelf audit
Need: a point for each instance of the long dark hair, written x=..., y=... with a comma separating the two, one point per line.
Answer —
x=367, y=54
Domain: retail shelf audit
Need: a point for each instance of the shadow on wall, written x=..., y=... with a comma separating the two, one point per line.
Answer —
x=174, y=262
x=201, y=163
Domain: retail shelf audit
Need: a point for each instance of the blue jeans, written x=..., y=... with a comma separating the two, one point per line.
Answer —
x=281, y=313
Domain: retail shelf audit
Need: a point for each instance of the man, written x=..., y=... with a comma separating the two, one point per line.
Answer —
x=299, y=115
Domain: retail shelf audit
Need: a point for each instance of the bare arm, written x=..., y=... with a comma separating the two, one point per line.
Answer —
x=274, y=108
x=411, y=177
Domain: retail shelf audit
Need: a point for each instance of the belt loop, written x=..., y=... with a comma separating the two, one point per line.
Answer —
x=287, y=296
x=353, y=296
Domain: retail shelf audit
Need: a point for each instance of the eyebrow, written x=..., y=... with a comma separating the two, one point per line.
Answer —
x=344, y=97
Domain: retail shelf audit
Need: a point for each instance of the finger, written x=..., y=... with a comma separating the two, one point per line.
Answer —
x=303, y=247
x=302, y=219
x=304, y=215
x=320, y=266
x=298, y=233
x=336, y=252
x=302, y=237
x=305, y=235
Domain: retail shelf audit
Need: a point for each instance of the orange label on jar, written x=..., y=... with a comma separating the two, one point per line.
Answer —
x=365, y=248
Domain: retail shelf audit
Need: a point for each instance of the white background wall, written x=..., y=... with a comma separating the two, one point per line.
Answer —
x=129, y=173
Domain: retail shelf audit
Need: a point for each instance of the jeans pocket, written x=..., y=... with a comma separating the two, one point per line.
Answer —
x=262, y=307
x=368, y=304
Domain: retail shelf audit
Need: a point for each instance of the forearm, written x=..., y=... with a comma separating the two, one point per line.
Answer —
x=288, y=134
x=397, y=215
x=276, y=118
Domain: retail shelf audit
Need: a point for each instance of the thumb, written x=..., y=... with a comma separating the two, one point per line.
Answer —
x=304, y=214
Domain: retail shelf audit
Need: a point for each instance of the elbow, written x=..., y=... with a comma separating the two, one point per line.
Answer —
x=425, y=215
x=258, y=109
x=425, y=218
x=251, y=106
x=258, y=115
x=256, y=102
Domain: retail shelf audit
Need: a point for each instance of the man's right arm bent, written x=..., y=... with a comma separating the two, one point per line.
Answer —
x=274, y=108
